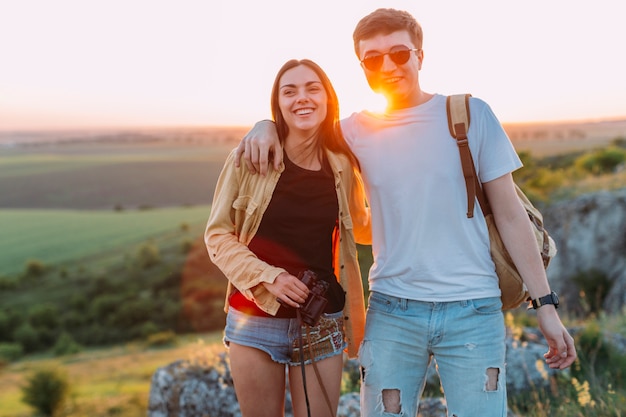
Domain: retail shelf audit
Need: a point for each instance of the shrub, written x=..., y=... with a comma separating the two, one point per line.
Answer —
x=186, y=246
x=79, y=302
x=28, y=337
x=9, y=322
x=148, y=255
x=132, y=313
x=620, y=142
x=7, y=283
x=44, y=316
x=5, y=326
x=104, y=307
x=167, y=338
x=46, y=390
x=148, y=329
x=66, y=345
x=11, y=351
x=599, y=360
x=602, y=161
x=594, y=286
x=34, y=268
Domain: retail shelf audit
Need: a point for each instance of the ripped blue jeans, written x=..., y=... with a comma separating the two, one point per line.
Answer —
x=466, y=339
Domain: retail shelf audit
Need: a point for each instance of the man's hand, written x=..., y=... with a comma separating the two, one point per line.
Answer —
x=562, y=351
x=258, y=146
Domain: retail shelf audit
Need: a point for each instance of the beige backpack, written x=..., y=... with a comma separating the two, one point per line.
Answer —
x=514, y=292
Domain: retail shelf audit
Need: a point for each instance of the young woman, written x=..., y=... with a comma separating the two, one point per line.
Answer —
x=264, y=232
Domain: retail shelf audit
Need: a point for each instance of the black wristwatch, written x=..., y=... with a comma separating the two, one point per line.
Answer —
x=551, y=298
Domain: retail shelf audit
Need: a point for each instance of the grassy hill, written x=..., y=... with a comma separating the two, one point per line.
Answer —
x=106, y=382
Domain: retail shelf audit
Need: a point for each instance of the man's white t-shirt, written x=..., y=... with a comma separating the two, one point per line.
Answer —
x=425, y=248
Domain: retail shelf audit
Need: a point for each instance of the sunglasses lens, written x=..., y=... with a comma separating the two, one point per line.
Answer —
x=373, y=62
x=400, y=57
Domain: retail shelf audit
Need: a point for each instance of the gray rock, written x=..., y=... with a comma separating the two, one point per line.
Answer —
x=590, y=234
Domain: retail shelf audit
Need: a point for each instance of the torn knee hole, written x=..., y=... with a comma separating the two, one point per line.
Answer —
x=492, y=379
x=391, y=401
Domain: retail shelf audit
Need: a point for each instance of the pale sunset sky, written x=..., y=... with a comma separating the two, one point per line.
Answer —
x=118, y=63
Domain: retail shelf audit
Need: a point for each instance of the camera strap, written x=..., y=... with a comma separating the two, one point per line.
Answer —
x=317, y=373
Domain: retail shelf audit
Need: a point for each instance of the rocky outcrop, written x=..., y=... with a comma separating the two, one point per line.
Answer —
x=186, y=389
x=590, y=234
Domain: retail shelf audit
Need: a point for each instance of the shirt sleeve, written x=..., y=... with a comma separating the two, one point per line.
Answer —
x=493, y=151
x=232, y=256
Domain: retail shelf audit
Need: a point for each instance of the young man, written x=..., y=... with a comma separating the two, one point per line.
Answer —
x=434, y=291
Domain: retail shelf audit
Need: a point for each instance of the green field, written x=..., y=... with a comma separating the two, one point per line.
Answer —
x=97, y=176
x=65, y=201
x=55, y=237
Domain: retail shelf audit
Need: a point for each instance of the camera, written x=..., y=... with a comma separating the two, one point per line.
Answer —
x=315, y=303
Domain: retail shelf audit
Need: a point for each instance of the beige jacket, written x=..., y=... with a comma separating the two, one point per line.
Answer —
x=239, y=202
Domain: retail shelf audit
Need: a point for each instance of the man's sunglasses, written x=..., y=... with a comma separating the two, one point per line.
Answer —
x=375, y=62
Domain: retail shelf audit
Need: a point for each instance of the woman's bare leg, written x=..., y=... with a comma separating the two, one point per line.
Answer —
x=259, y=382
x=330, y=370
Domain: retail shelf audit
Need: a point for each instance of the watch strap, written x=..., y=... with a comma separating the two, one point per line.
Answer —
x=546, y=299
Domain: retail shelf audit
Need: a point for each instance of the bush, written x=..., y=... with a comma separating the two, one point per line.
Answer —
x=599, y=360
x=28, y=337
x=9, y=321
x=186, y=246
x=148, y=255
x=34, y=268
x=133, y=313
x=44, y=316
x=7, y=283
x=104, y=307
x=167, y=338
x=603, y=161
x=66, y=345
x=148, y=329
x=46, y=390
x=11, y=351
x=594, y=286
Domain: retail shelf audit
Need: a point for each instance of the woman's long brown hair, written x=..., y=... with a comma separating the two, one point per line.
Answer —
x=329, y=135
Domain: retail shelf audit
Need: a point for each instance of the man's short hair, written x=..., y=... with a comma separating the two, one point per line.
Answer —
x=385, y=21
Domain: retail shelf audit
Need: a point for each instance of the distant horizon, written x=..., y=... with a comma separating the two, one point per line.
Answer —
x=116, y=127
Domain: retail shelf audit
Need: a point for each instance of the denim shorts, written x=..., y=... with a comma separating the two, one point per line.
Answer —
x=278, y=337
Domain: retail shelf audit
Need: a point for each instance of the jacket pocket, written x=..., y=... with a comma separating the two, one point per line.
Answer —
x=245, y=209
x=245, y=203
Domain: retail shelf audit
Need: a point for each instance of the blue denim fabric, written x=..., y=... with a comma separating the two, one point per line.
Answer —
x=464, y=337
x=278, y=337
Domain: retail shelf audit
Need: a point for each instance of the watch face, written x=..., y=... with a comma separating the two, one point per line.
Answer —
x=555, y=298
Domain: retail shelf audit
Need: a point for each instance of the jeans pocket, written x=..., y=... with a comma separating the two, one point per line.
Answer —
x=381, y=302
x=491, y=305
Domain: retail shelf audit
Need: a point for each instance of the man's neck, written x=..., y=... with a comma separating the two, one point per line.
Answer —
x=417, y=99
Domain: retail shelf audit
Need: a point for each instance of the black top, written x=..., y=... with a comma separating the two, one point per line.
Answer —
x=296, y=231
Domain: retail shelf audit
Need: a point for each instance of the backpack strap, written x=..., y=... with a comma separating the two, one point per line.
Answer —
x=457, y=108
